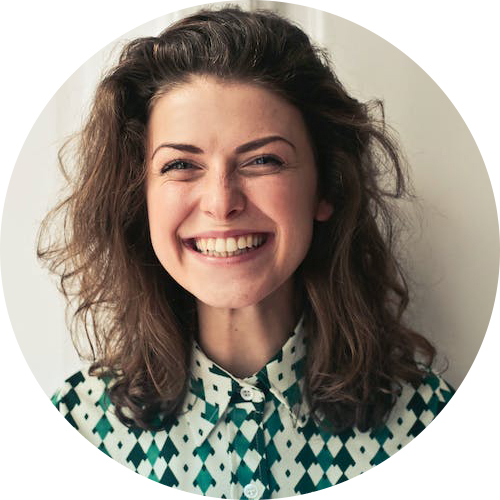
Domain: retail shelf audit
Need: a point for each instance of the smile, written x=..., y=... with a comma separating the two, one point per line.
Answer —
x=228, y=247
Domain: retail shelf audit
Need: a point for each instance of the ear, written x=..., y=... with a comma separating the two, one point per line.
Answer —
x=324, y=211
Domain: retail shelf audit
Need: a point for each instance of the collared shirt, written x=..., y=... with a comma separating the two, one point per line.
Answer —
x=248, y=438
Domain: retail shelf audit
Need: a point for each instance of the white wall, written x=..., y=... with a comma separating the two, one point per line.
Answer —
x=452, y=254
x=456, y=42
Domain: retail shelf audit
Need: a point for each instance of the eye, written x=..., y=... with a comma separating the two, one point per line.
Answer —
x=266, y=160
x=264, y=164
x=177, y=165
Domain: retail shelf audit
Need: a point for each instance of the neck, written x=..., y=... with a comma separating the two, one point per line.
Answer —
x=243, y=340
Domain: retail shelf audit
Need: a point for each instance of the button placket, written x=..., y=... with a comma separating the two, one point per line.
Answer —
x=248, y=456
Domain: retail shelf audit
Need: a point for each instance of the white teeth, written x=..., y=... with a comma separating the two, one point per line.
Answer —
x=220, y=245
x=231, y=245
x=227, y=247
x=242, y=242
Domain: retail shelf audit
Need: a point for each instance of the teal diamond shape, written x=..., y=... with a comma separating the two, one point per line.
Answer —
x=204, y=480
x=305, y=485
x=344, y=459
x=169, y=450
x=137, y=455
x=204, y=450
x=274, y=424
x=238, y=416
x=153, y=453
x=272, y=454
x=382, y=435
x=306, y=457
x=325, y=459
x=153, y=476
x=104, y=402
x=244, y=473
x=240, y=444
x=379, y=457
x=103, y=427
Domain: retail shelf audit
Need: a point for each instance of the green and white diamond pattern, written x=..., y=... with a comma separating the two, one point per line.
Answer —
x=257, y=444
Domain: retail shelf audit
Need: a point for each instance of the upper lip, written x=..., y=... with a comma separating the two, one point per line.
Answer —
x=225, y=234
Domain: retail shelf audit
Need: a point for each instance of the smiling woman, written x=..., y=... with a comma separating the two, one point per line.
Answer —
x=228, y=247
x=248, y=178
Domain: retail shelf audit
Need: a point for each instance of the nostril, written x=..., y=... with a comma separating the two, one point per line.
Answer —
x=223, y=199
x=233, y=212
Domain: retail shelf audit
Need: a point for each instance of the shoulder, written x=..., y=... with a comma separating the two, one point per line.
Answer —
x=431, y=394
x=415, y=408
x=83, y=399
x=84, y=402
x=418, y=404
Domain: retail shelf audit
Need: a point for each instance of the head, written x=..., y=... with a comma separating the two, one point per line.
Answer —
x=257, y=50
x=231, y=165
x=344, y=270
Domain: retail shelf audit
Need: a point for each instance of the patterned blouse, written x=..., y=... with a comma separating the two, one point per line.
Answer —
x=248, y=438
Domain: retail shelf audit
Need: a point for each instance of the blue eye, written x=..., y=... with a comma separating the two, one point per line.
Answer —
x=267, y=160
x=176, y=165
x=262, y=165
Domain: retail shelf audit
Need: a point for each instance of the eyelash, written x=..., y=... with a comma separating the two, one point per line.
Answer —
x=269, y=158
x=185, y=165
x=175, y=165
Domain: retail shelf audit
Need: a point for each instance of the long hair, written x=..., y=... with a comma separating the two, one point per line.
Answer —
x=140, y=323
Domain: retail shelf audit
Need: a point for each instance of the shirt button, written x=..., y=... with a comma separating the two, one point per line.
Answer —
x=250, y=490
x=247, y=394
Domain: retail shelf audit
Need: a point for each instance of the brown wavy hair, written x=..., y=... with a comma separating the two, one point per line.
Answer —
x=140, y=323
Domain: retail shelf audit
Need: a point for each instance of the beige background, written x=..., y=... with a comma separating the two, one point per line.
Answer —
x=43, y=43
x=451, y=251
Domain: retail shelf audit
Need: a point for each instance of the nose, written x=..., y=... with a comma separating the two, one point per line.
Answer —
x=222, y=197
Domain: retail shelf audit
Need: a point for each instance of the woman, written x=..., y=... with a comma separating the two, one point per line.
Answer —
x=228, y=249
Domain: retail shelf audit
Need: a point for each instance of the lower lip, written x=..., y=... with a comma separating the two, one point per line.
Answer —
x=235, y=259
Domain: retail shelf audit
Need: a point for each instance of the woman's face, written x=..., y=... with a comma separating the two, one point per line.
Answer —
x=231, y=190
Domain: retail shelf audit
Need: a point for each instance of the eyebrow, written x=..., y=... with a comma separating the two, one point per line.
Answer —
x=244, y=148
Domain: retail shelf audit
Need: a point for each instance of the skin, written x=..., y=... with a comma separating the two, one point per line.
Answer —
x=207, y=176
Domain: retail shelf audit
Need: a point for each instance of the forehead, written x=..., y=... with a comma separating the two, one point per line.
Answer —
x=217, y=113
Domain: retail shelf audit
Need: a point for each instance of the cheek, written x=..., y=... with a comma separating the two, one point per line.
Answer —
x=291, y=207
x=293, y=201
x=163, y=217
x=164, y=204
x=156, y=207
